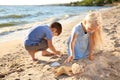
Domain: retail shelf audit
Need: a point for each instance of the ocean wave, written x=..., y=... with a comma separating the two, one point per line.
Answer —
x=65, y=16
x=11, y=24
x=14, y=16
x=39, y=13
x=7, y=30
x=2, y=10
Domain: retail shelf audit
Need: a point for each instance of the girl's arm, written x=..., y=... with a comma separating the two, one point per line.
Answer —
x=91, y=47
x=72, y=43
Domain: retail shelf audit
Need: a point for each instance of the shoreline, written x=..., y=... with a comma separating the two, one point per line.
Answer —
x=16, y=63
x=21, y=33
x=11, y=32
x=63, y=14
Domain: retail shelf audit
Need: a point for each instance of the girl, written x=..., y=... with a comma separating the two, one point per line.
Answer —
x=85, y=37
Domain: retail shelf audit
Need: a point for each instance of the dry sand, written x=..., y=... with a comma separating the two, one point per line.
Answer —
x=16, y=64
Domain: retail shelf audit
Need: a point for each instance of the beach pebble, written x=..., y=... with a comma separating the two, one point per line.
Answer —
x=116, y=53
x=29, y=74
x=76, y=68
x=107, y=75
x=17, y=79
x=20, y=70
x=115, y=25
x=2, y=75
x=101, y=76
x=55, y=64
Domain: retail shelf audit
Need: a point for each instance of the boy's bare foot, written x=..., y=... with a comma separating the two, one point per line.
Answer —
x=47, y=53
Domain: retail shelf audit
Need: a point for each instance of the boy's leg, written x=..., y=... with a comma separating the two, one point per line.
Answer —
x=43, y=47
x=32, y=54
x=47, y=53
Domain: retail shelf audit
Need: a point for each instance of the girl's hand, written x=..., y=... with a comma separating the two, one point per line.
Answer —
x=70, y=58
x=91, y=57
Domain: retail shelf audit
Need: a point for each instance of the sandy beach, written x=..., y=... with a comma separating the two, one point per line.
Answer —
x=16, y=63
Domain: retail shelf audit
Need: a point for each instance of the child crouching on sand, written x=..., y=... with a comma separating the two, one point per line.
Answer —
x=40, y=38
x=85, y=37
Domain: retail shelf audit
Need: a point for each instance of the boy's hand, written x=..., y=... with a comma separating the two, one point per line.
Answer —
x=58, y=53
x=70, y=58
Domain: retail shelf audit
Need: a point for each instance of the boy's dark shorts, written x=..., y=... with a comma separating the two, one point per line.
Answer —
x=42, y=45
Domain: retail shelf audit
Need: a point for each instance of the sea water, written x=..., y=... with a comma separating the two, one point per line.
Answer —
x=12, y=18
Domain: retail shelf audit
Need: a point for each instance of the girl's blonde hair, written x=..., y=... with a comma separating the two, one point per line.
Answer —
x=94, y=20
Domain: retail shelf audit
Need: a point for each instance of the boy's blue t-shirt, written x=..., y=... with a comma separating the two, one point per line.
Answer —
x=38, y=33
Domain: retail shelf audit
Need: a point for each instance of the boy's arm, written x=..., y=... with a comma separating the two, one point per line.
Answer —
x=52, y=48
x=72, y=43
x=91, y=47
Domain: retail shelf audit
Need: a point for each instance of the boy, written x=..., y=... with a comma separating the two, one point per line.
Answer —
x=40, y=38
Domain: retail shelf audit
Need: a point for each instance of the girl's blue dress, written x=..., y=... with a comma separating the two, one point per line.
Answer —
x=81, y=48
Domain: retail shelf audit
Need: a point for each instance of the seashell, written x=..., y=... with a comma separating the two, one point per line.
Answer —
x=76, y=68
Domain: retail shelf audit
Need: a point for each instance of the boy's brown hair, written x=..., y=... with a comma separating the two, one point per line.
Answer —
x=58, y=26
